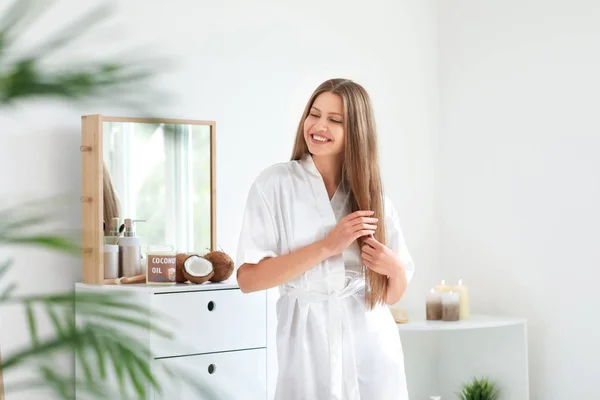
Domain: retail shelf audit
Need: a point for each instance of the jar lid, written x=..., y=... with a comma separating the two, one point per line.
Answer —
x=153, y=248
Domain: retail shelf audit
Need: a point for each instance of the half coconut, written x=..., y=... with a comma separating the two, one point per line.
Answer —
x=196, y=269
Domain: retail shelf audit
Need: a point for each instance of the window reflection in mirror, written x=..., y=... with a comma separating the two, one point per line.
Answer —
x=161, y=174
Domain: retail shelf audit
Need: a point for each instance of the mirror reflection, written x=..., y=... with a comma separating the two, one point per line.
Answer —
x=160, y=175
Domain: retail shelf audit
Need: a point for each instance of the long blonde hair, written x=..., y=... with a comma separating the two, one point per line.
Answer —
x=360, y=167
x=111, y=205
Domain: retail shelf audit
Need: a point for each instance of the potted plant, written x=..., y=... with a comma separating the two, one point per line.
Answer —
x=103, y=345
x=479, y=389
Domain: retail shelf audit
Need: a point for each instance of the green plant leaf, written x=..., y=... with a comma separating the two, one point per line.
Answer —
x=32, y=221
x=128, y=354
x=27, y=226
x=113, y=352
x=43, y=349
x=7, y=292
x=53, y=379
x=15, y=15
x=83, y=360
x=51, y=242
x=86, y=302
x=129, y=320
x=52, y=314
x=25, y=78
x=31, y=324
x=5, y=266
x=133, y=375
x=59, y=385
x=100, y=356
x=126, y=361
x=479, y=389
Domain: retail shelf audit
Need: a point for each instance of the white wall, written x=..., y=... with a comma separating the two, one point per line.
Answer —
x=249, y=65
x=518, y=172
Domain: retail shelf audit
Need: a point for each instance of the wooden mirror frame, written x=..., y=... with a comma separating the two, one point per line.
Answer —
x=92, y=199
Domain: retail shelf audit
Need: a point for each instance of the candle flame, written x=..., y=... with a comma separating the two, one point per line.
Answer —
x=443, y=281
x=460, y=282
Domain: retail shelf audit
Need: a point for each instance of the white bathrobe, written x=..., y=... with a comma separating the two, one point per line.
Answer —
x=329, y=345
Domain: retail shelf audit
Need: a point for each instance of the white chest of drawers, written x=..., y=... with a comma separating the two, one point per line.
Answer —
x=219, y=339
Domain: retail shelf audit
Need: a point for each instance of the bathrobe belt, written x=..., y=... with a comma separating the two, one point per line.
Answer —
x=334, y=327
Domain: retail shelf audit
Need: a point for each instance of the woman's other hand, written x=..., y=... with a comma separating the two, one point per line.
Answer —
x=348, y=229
x=379, y=258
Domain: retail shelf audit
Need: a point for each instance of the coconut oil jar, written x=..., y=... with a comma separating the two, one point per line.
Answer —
x=161, y=269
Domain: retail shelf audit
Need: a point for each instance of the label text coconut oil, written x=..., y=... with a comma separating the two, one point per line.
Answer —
x=161, y=265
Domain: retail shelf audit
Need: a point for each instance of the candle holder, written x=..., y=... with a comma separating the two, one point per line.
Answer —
x=442, y=287
x=434, y=306
x=463, y=292
x=450, y=306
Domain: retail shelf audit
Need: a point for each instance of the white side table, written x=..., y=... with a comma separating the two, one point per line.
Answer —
x=441, y=356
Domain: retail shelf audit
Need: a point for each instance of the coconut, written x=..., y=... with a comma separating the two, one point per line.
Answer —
x=180, y=259
x=222, y=265
x=197, y=269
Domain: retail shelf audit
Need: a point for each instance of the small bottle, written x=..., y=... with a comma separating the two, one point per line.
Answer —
x=161, y=265
x=113, y=231
x=130, y=250
x=111, y=261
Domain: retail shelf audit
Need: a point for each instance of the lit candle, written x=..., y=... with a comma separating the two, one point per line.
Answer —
x=463, y=291
x=434, y=306
x=450, y=306
x=443, y=287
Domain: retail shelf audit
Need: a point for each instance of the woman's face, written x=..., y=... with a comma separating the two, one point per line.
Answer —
x=324, y=125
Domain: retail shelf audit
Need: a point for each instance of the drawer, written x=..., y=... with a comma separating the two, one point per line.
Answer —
x=209, y=322
x=235, y=375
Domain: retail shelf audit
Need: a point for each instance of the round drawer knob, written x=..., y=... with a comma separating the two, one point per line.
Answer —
x=212, y=368
x=211, y=306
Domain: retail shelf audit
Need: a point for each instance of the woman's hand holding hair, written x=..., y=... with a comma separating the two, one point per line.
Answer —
x=348, y=229
x=271, y=272
x=379, y=258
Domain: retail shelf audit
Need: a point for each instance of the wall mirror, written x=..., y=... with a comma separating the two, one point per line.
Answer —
x=159, y=173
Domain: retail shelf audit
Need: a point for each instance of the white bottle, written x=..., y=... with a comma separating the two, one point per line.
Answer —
x=130, y=250
x=113, y=233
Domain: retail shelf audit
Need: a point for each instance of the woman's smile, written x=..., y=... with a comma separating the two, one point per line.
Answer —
x=319, y=139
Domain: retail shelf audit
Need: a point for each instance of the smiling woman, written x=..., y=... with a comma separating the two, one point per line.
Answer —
x=320, y=228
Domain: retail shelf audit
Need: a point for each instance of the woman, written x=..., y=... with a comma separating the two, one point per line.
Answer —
x=320, y=229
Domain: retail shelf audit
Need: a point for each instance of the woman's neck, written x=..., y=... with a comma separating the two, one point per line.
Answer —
x=330, y=168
